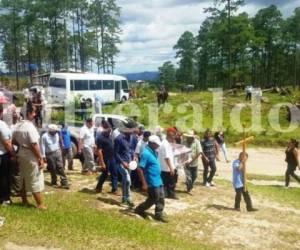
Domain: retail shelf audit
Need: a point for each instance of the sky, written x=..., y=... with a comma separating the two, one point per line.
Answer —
x=150, y=28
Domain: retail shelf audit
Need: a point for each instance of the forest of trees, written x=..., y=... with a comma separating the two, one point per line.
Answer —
x=59, y=34
x=232, y=48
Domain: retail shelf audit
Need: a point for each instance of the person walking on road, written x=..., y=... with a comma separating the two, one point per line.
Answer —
x=210, y=155
x=87, y=146
x=220, y=139
x=149, y=172
x=238, y=179
x=51, y=152
x=166, y=159
x=292, y=160
x=123, y=157
x=107, y=163
x=67, y=152
x=191, y=167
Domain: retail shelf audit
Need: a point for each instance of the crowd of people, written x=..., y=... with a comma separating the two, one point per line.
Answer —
x=136, y=158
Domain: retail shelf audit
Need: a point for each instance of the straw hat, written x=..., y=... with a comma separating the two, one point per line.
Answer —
x=190, y=133
x=52, y=127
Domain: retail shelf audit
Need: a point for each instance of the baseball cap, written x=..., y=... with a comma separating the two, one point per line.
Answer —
x=171, y=130
x=155, y=139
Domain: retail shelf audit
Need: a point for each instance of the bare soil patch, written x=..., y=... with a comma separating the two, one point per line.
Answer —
x=207, y=215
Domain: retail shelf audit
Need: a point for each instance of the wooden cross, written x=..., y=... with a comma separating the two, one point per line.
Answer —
x=244, y=143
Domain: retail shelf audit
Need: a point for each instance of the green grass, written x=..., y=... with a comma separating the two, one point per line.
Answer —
x=289, y=236
x=266, y=177
x=287, y=197
x=280, y=178
x=73, y=222
x=179, y=108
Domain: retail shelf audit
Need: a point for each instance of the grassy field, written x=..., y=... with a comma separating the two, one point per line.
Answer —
x=267, y=178
x=181, y=107
x=81, y=220
x=196, y=111
x=73, y=222
x=278, y=193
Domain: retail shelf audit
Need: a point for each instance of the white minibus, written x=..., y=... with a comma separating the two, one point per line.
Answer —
x=63, y=87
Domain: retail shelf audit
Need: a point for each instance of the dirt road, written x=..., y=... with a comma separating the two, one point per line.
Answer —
x=207, y=215
x=262, y=161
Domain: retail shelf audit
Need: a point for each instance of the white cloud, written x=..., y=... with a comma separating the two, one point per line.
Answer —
x=151, y=28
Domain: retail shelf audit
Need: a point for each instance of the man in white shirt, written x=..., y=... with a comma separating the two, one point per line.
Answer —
x=87, y=146
x=166, y=158
x=98, y=104
x=141, y=145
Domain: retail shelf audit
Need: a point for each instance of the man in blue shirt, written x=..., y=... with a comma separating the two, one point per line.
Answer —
x=67, y=146
x=149, y=172
x=238, y=167
x=123, y=158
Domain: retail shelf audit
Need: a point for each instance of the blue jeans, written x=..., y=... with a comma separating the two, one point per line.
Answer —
x=126, y=182
x=111, y=168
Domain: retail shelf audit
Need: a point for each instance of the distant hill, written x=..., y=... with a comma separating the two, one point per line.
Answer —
x=145, y=76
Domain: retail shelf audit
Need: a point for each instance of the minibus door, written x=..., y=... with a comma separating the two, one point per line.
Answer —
x=117, y=90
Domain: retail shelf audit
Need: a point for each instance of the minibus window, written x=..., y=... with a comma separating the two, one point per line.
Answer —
x=57, y=83
x=81, y=85
x=108, y=84
x=124, y=84
x=95, y=84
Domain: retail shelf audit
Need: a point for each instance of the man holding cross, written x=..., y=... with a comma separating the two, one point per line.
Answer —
x=239, y=176
x=238, y=180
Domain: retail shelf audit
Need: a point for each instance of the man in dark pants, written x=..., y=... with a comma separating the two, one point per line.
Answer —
x=239, y=185
x=123, y=158
x=149, y=173
x=292, y=160
x=210, y=154
x=191, y=167
x=6, y=153
x=166, y=160
x=105, y=151
x=249, y=93
x=51, y=152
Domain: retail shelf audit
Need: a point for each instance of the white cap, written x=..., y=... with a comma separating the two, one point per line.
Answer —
x=52, y=127
x=155, y=139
